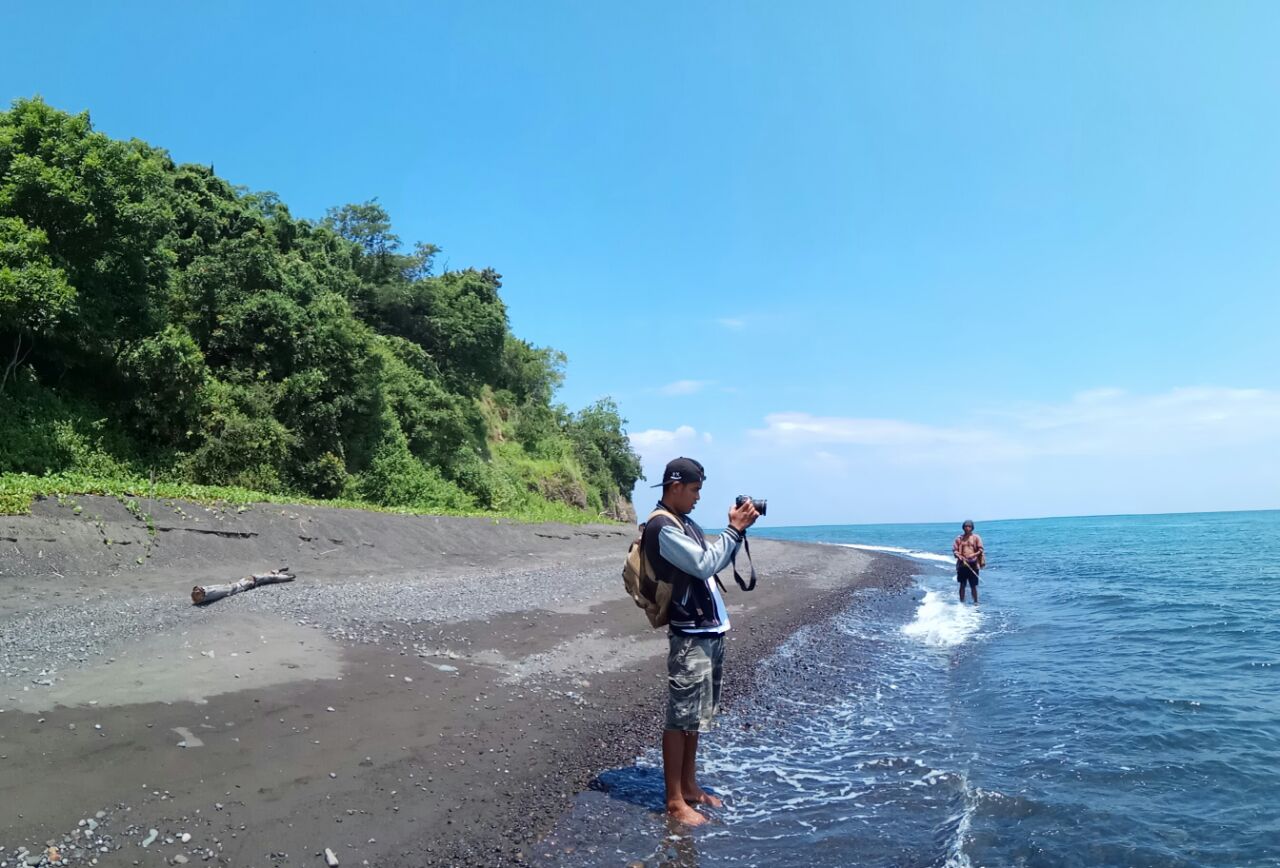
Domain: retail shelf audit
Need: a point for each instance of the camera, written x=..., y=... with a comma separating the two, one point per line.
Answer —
x=758, y=502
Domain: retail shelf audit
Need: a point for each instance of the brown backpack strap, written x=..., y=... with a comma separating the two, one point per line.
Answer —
x=671, y=515
x=644, y=561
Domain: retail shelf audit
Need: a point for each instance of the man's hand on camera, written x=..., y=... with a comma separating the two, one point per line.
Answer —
x=742, y=517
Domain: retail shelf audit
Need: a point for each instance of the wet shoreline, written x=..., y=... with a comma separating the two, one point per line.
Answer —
x=445, y=715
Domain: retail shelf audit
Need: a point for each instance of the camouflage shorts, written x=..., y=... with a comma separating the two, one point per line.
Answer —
x=694, y=666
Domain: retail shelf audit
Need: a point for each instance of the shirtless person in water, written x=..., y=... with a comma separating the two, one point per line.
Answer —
x=969, y=555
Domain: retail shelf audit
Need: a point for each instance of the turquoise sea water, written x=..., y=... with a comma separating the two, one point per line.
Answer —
x=1114, y=701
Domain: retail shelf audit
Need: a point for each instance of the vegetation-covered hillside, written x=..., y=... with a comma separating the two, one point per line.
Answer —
x=159, y=324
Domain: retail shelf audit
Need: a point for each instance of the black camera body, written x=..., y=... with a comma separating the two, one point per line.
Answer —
x=759, y=503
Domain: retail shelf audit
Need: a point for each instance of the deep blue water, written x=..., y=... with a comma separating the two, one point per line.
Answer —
x=1114, y=701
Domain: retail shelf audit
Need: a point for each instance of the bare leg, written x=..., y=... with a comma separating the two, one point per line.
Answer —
x=961, y=591
x=694, y=794
x=975, y=593
x=675, y=747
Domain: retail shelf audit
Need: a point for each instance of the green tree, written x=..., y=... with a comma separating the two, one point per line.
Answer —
x=34, y=295
x=458, y=318
x=162, y=318
x=103, y=208
x=168, y=373
x=530, y=373
x=599, y=436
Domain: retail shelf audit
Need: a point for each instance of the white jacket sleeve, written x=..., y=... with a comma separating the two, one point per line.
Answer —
x=687, y=556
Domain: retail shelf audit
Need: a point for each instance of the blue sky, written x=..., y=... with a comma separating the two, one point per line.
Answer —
x=878, y=262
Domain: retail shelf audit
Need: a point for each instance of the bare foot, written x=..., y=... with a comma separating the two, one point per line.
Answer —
x=702, y=797
x=682, y=813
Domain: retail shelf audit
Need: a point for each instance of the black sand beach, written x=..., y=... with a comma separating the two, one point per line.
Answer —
x=430, y=691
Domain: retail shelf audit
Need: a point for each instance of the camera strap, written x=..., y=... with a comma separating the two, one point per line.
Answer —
x=752, y=564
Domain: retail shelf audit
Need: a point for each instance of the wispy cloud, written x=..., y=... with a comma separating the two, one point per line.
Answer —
x=1100, y=451
x=792, y=428
x=1102, y=422
x=685, y=387
x=732, y=323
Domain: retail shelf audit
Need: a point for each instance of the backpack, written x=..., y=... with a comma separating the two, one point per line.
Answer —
x=647, y=591
x=639, y=580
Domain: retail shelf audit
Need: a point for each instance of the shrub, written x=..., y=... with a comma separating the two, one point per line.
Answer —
x=396, y=478
x=167, y=373
x=244, y=444
x=487, y=484
x=324, y=477
x=83, y=449
x=42, y=433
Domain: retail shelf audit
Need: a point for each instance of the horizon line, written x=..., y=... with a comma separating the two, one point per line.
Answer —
x=1034, y=518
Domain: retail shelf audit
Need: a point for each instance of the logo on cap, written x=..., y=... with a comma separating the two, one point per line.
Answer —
x=682, y=470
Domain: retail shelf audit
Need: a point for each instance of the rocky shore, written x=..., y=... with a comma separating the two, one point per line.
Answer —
x=430, y=691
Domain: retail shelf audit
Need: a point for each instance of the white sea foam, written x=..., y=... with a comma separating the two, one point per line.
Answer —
x=898, y=550
x=850, y=753
x=942, y=622
x=956, y=856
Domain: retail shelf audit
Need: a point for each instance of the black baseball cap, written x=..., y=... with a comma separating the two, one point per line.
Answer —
x=682, y=470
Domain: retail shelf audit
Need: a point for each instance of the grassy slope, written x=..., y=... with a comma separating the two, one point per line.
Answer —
x=18, y=490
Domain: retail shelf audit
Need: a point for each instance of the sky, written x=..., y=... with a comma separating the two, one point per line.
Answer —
x=876, y=262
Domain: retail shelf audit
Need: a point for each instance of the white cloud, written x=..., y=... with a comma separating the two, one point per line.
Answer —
x=732, y=324
x=1102, y=451
x=1102, y=422
x=665, y=445
x=685, y=387
x=893, y=440
x=804, y=428
x=656, y=438
x=657, y=446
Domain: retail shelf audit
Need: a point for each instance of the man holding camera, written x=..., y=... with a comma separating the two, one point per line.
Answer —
x=679, y=553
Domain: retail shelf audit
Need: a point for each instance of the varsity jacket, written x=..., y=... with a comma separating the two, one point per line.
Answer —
x=682, y=556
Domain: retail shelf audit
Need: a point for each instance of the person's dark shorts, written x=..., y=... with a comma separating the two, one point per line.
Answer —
x=694, y=667
x=965, y=573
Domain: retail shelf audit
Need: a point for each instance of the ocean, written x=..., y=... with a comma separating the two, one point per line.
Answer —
x=1114, y=701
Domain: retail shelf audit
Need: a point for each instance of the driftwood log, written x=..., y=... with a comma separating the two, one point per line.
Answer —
x=202, y=594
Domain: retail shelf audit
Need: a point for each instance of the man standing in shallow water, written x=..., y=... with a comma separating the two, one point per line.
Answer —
x=970, y=558
x=678, y=552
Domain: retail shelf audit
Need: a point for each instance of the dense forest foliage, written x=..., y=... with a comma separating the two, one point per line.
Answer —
x=158, y=322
